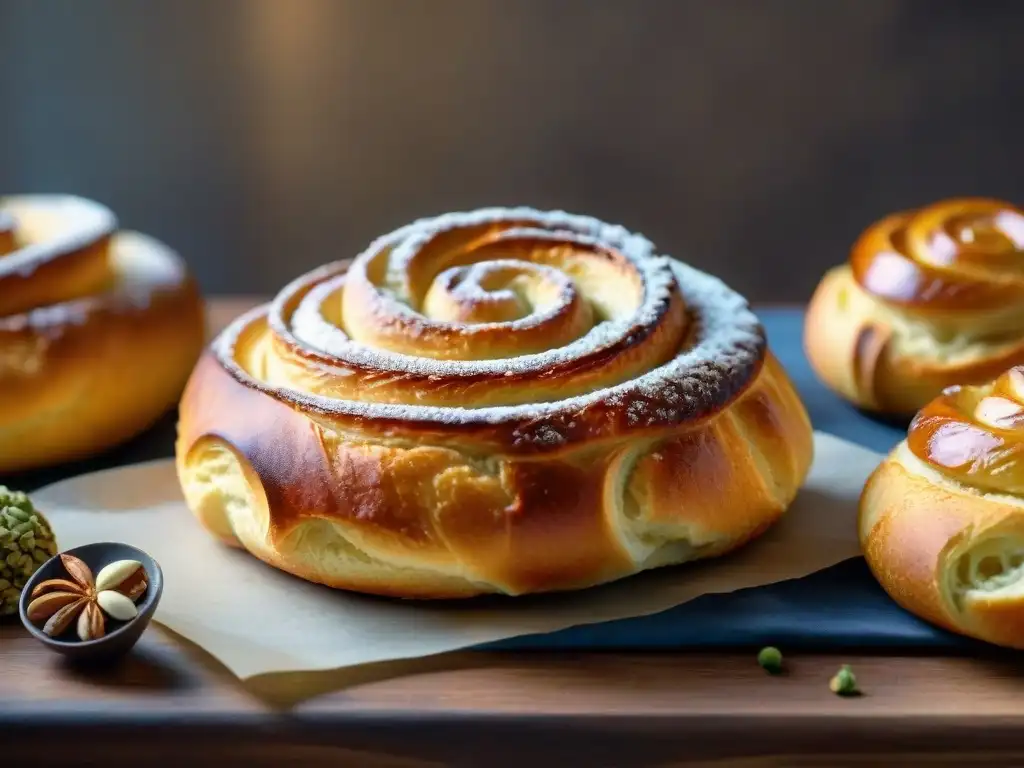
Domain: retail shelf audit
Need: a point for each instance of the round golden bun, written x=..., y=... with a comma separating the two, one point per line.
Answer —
x=929, y=298
x=942, y=518
x=501, y=401
x=99, y=330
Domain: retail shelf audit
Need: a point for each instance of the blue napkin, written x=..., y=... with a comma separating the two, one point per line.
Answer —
x=840, y=607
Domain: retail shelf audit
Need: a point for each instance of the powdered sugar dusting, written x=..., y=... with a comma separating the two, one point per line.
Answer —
x=49, y=229
x=724, y=353
x=309, y=328
x=52, y=227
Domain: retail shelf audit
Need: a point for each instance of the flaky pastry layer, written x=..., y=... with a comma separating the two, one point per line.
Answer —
x=99, y=330
x=502, y=401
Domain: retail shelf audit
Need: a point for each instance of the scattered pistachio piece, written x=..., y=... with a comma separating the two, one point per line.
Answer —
x=770, y=659
x=844, y=683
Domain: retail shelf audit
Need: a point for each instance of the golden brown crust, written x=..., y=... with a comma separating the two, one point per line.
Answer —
x=930, y=298
x=430, y=478
x=942, y=518
x=99, y=330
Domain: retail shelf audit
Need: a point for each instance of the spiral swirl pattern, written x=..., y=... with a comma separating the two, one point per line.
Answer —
x=930, y=298
x=975, y=434
x=963, y=254
x=51, y=252
x=942, y=517
x=504, y=400
x=546, y=328
x=85, y=307
x=935, y=312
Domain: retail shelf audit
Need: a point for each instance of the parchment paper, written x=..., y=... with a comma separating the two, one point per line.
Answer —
x=257, y=620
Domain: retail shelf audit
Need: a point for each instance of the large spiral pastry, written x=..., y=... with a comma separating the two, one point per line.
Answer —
x=99, y=330
x=930, y=298
x=942, y=519
x=501, y=401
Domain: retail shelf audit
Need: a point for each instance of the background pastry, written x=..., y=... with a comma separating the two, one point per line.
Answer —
x=99, y=330
x=942, y=518
x=929, y=298
x=500, y=401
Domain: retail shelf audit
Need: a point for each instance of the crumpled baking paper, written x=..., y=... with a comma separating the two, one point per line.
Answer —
x=256, y=620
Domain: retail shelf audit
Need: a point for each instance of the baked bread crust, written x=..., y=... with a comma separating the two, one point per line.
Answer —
x=929, y=298
x=502, y=401
x=942, y=518
x=99, y=330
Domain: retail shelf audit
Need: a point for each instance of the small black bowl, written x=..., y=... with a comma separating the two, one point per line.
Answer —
x=121, y=636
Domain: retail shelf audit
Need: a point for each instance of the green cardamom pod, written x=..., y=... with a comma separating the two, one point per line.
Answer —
x=9, y=601
x=15, y=513
x=15, y=498
x=26, y=542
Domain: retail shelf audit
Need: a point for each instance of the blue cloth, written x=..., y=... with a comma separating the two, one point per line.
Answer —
x=841, y=607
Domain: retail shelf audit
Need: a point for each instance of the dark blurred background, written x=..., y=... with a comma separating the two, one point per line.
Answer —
x=754, y=138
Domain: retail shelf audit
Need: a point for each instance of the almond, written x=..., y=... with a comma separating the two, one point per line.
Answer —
x=61, y=620
x=78, y=571
x=55, y=585
x=45, y=606
x=91, y=624
x=135, y=586
x=114, y=575
x=116, y=605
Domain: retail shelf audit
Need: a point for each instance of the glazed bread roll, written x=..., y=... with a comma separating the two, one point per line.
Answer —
x=942, y=518
x=500, y=401
x=99, y=330
x=930, y=298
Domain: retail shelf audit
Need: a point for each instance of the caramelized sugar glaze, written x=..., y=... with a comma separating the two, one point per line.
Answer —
x=960, y=255
x=479, y=397
x=938, y=294
x=941, y=520
x=930, y=298
x=976, y=434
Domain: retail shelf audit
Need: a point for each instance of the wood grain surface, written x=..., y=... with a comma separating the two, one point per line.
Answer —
x=169, y=703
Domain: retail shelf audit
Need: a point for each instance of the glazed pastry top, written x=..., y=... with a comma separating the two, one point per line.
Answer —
x=965, y=253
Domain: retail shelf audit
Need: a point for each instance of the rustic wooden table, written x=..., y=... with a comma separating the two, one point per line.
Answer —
x=170, y=703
